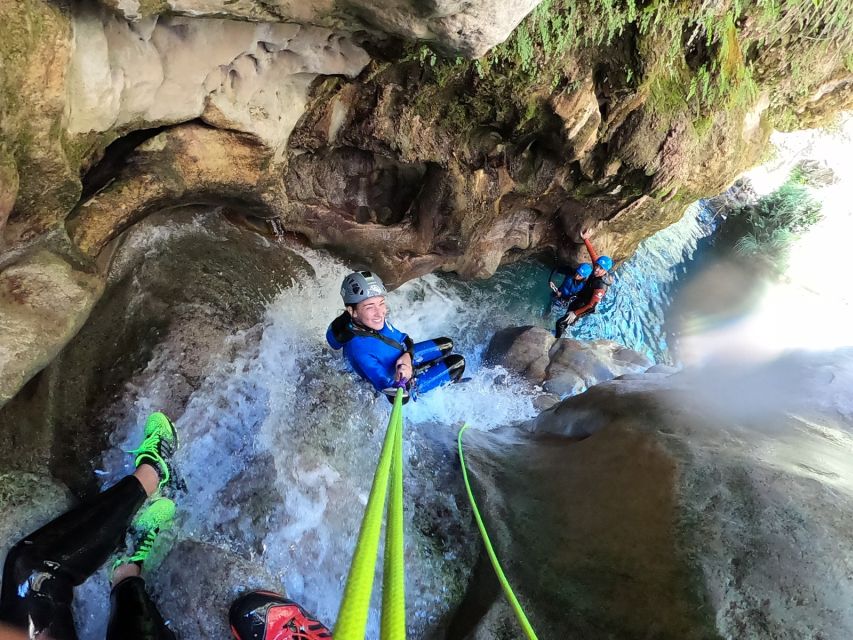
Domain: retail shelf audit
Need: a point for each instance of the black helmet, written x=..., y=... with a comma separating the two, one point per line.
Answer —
x=361, y=285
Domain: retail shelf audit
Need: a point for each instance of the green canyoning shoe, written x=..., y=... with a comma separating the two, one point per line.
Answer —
x=159, y=444
x=156, y=518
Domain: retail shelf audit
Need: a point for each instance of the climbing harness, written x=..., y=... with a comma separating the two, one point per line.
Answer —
x=401, y=384
x=510, y=596
x=352, y=617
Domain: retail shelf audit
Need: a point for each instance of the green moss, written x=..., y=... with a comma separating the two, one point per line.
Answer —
x=766, y=229
x=153, y=7
x=731, y=41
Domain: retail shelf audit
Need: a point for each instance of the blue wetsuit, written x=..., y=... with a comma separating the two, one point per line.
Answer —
x=373, y=354
x=571, y=287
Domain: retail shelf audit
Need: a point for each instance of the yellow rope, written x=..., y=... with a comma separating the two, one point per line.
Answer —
x=352, y=617
x=513, y=601
x=394, y=574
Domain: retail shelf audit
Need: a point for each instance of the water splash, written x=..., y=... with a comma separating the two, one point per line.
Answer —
x=811, y=306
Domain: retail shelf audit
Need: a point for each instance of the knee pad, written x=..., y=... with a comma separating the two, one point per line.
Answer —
x=455, y=366
x=444, y=344
x=431, y=350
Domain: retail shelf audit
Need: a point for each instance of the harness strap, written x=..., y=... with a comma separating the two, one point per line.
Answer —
x=344, y=330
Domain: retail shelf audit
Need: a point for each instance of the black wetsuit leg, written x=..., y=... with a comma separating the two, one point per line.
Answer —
x=133, y=615
x=563, y=323
x=41, y=570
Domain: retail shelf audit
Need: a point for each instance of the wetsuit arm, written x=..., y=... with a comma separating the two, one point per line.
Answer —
x=597, y=295
x=410, y=346
x=593, y=254
x=330, y=338
x=376, y=372
x=338, y=332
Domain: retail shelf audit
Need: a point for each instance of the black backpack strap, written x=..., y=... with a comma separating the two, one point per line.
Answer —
x=370, y=333
x=344, y=330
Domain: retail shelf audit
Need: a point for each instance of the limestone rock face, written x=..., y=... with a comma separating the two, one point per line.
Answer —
x=576, y=365
x=464, y=28
x=35, y=50
x=702, y=505
x=27, y=502
x=564, y=367
x=44, y=300
x=187, y=164
x=524, y=350
x=244, y=76
x=8, y=186
x=210, y=280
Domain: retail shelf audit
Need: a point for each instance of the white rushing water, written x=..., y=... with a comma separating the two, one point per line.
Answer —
x=270, y=438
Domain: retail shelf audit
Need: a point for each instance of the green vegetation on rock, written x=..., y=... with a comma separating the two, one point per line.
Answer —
x=687, y=57
x=767, y=228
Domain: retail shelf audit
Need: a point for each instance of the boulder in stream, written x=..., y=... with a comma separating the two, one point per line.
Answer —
x=564, y=367
x=711, y=504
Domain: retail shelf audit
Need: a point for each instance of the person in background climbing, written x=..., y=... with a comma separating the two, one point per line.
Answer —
x=593, y=290
x=572, y=284
x=379, y=352
x=41, y=571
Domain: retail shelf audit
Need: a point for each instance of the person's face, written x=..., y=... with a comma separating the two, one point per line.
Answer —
x=579, y=277
x=371, y=312
x=598, y=271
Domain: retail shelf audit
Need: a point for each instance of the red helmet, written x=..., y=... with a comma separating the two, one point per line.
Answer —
x=262, y=615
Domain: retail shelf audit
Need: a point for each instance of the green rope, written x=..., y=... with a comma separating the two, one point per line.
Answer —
x=352, y=617
x=394, y=581
x=513, y=601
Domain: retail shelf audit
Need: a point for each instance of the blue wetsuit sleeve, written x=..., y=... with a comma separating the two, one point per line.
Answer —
x=373, y=369
x=330, y=338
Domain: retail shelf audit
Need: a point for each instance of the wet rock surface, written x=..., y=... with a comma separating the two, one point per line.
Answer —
x=699, y=505
x=563, y=367
x=27, y=502
x=198, y=284
x=44, y=300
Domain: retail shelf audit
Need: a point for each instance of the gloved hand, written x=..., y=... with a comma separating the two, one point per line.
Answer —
x=554, y=288
x=570, y=317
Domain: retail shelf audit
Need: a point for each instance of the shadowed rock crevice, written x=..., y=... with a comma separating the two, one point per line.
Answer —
x=367, y=187
x=113, y=161
x=188, y=164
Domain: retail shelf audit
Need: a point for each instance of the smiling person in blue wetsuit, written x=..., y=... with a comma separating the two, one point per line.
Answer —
x=379, y=352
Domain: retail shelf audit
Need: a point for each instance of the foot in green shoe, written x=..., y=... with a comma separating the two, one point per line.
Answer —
x=159, y=444
x=156, y=518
